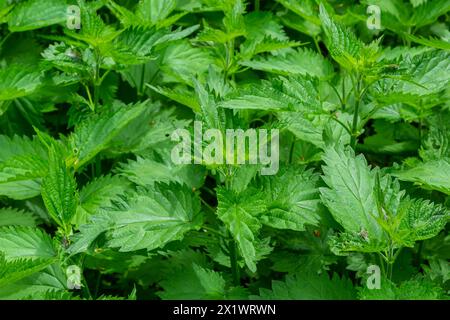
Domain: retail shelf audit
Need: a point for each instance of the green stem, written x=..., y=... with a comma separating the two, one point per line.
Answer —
x=5, y=38
x=91, y=103
x=419, y=253
x=256, y=5
x=344, y=97
x=207, y=205
x=383, y=269
x=235, y=272
x=338, y=95
x=142, y=86
x=291, y=151
x=316, y=43
x=356, y=86
x=355, y=126
x=217, y=233
x=97, y=285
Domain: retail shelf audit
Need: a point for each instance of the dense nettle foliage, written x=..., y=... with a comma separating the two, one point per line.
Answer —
x=93, y=207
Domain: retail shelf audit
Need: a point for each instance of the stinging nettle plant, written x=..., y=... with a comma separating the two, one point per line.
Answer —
x=87, y=182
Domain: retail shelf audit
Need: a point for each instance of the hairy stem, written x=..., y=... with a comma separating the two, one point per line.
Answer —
x=357, y=90
x=235, y=272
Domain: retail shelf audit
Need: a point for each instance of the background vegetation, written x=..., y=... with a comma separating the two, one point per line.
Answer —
x=86, y=179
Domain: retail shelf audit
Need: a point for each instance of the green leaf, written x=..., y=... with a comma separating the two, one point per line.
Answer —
x=181, y=62
x=350, y=195
x=428, y=12
x=282, y=94
x=430, y=42
x=22, y=167
x=35, y=14
x=97, y=133
x=239, y=212
x=99, y=193
x=13, y=270
x=93, y=30
x=39, y=284
x=292, y=199
x=147, y=13
x=309, y=286
x=295, y=62
x=15, y=217
x=431, y=175
x=59, y=191
x=147, y=219
x=420, y=220
x=135, y=45
x=25, y=242
x=422, y=75
x=194, y=283
x=343, y=45
x=151, y=218
x=414, y=289
x=18, y=81
x=146, y=171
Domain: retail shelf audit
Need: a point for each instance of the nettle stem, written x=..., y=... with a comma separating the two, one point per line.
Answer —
x=256, y=5
x=232, y=245
x=235, y=272
x=357, y=92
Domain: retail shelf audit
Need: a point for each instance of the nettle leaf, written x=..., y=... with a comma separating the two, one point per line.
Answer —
x=315, y=128
x=148, y=13
x=16, y=217
x=59, y=191
x=194, y=283
x=309, y=286
x=428, y=12
x=307, y=9
x=135, y=45
x=35, y=14
x=71, y=60
x=23, y=252
x=14, y=270
x=38, y=284
x=18, y=81
x=240, y=212
x=147, y=219
x=420, y=220
x=96, y=133
x=22, y=167
x=260, y=24
x=430, y=42
x=437, y=143
x=351, y=197
x=422, y=75
x=179, y=94
x=146, y=171
x=414, y=289
x=282, y=94
x=152, y=129
x=264, y=33
x=25, y=242
x=373, y=209
x=93, y=31
x=181, y=62
x=99, y=193
x=151, y=218
x=342, y=43
x=432, y=175
x=295, y=62
x=292, y=198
